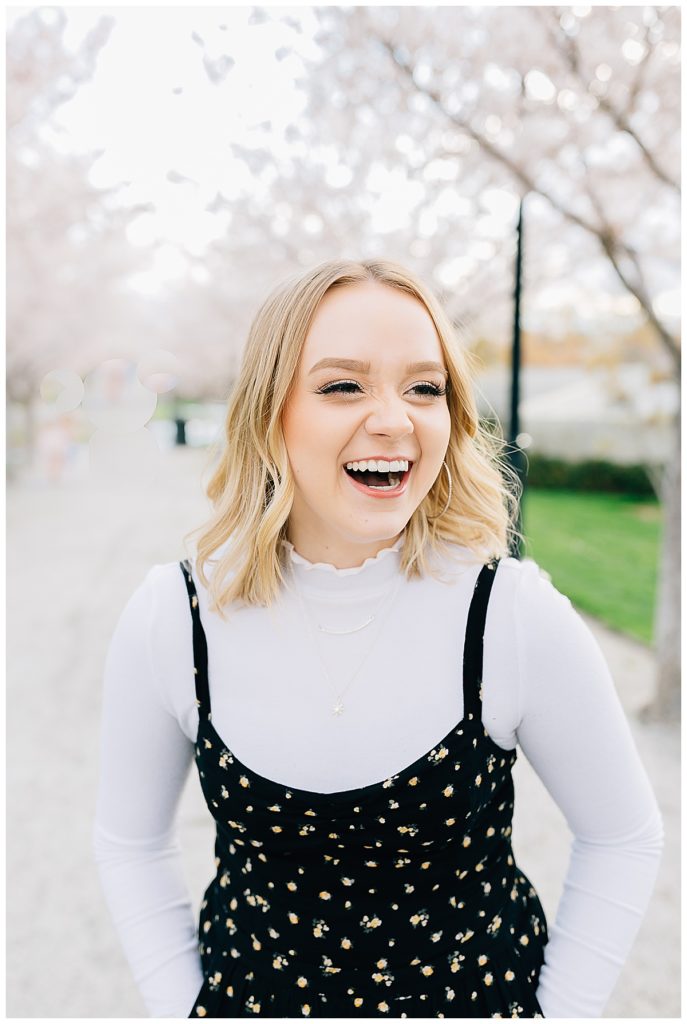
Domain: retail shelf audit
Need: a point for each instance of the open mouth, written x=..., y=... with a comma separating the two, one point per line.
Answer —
x=388, y=480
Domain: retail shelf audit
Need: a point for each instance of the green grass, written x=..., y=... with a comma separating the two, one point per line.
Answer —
x=601, y=551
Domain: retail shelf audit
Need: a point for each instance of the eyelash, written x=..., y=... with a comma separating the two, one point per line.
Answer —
x=337, y=387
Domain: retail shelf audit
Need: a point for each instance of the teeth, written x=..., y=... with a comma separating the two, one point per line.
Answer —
x=379, y=466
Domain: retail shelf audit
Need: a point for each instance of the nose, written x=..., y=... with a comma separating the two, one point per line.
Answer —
x=389, y=418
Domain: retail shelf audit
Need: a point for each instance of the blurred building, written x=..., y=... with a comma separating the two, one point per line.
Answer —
x=620, y=413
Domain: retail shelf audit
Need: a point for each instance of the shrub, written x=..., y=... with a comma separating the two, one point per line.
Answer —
x=588, y=475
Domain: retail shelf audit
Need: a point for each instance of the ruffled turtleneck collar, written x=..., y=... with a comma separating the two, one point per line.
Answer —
x=322, y=577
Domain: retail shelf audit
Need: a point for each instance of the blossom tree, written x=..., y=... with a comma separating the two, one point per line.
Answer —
x=67, y=249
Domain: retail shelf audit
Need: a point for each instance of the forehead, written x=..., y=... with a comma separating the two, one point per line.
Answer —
x=371, y=320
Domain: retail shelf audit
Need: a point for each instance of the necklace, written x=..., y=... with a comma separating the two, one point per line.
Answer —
x=338, y=706
x=347, y=632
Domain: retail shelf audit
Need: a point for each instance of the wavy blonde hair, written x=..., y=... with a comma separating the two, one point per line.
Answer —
x=251, y=488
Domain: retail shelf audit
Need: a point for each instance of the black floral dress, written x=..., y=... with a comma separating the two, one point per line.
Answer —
x=397, y=899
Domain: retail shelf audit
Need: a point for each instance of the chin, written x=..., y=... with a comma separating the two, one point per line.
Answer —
x=388, y=529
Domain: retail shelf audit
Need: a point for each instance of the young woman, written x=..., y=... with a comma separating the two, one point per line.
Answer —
x=352, y=658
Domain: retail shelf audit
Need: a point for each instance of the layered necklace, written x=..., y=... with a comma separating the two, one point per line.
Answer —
x=384, y=608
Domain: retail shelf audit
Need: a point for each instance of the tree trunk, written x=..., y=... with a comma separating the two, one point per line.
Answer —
x=665, y=705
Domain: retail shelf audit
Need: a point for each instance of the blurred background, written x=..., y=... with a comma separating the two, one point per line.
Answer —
x=166, y=167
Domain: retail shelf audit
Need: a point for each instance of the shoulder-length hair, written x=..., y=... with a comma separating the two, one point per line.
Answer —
x=251, y=488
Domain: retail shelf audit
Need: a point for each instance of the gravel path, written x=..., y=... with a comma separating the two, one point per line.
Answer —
x=76, y=551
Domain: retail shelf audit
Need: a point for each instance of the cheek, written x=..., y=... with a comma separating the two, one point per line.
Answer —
x=437, y=430
x=312, y=441
x=296, y=432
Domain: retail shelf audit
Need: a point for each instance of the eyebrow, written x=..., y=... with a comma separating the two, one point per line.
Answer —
x=364, y=367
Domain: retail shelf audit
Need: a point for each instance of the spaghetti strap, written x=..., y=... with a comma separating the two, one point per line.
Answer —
x=473, y=651
x=200, y=647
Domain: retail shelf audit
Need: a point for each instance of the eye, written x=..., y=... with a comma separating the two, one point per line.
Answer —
x=427, y=390
x=340, y=387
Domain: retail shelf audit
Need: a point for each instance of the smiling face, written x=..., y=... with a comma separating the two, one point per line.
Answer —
x=370, y=385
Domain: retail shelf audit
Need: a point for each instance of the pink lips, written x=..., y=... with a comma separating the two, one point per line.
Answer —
x=372, y=493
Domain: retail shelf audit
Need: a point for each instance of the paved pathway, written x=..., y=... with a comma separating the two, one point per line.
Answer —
x=75, y=553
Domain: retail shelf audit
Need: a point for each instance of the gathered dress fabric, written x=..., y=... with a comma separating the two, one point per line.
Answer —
x=397, y=899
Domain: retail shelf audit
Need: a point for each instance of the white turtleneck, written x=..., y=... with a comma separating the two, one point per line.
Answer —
x=546, y=687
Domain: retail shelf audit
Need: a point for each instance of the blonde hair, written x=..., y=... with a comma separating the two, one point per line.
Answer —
x=251, y=488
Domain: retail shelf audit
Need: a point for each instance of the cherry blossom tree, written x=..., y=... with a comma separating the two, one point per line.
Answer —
x=67, y=250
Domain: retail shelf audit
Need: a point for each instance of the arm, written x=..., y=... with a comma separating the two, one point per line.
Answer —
x=575, y=735
x=144, y=762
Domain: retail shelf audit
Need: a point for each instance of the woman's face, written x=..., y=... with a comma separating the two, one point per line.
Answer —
x=370, y=385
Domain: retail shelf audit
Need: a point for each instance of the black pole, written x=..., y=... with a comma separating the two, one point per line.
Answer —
x=179, y=422
x=516, y=455
x=180, y=425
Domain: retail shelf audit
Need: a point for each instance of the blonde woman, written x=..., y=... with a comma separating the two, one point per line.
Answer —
x=352, y=659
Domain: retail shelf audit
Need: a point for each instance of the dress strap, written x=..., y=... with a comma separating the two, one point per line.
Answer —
x=200, y=646
x=473, y=651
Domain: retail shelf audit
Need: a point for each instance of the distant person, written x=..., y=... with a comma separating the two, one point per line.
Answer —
x=353, y=658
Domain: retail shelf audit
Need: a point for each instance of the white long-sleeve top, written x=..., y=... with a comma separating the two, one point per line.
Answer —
x=274, y=677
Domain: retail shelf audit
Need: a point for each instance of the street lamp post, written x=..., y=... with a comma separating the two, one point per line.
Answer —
x=516, y=456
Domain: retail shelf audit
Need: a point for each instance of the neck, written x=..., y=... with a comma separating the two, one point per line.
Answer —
x=343, y=555
x=324, y=582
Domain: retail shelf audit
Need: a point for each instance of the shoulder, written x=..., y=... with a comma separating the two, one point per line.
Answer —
x=167, y=594
x=517, y=578
x=517, y=583
x=157, y=609
x=167, y=577
x=546, y=627
x=149, y=635
x=136, y=613
x=542, y=640
x=170, y=634
x=527, y=584
x=525, y=604
x=521, y=572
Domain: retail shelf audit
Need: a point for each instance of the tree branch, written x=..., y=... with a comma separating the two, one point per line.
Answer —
x=612, y=247
x=524, y=179
x=615, y=250
x=567, y=48
x=638, y=81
